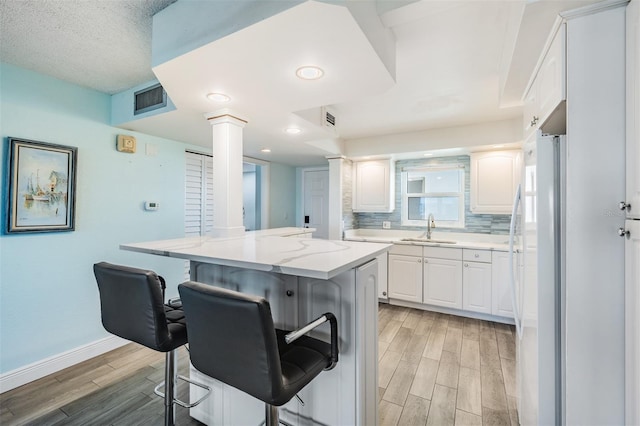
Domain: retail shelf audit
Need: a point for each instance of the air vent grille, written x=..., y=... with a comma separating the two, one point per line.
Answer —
x=148, y=99
x=330, y=119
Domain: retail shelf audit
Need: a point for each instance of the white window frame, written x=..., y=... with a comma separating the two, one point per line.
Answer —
x=404, y=197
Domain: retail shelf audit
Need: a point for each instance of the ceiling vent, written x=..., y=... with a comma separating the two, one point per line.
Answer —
x=329, y=120
x=150, y=98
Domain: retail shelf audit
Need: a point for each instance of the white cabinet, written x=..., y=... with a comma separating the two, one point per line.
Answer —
x=405, y=277
x=374, y=186
x=494, y=178
x=442, y=280
x=547, y=91
x=476, y=281
x=501, y=304
x=633, y=109
x=383, y=268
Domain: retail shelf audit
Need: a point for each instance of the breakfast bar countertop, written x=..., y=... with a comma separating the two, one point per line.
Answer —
x=276, y=250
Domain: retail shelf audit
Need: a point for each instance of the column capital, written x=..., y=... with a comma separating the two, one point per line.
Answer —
x=225, y=116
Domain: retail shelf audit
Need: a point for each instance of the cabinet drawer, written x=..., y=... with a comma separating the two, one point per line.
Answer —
x=476, y=255
x=406, y=250
x=443, y=253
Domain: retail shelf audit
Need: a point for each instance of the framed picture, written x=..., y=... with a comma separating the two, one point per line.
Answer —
x=42, y=186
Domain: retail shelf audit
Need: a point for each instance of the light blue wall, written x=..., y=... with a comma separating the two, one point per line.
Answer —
x=48, y=296
x=282, y=196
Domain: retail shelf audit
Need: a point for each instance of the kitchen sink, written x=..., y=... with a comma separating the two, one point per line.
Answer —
x=426, y=240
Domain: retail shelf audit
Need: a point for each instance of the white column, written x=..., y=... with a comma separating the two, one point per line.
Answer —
x=227, y=174
x=335, y=197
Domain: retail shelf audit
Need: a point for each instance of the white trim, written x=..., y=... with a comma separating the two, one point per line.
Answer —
x=592, y=8
x=39, y=369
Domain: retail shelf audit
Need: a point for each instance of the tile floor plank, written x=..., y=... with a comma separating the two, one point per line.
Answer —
x=469, y=391
x=443, y=406
x=467, y=419
x=400, y=383
x=389, y=413
x=415, y=411
x=425, y=378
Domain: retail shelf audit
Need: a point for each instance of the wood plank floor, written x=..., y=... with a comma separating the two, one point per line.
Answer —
x=437, y=369
x=115, y=388
x=434, y=369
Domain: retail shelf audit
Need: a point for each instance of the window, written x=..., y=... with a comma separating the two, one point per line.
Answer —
x=438, y=190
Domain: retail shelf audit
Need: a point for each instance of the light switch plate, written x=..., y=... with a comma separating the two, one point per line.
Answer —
x=386, y=224
x=126, y=144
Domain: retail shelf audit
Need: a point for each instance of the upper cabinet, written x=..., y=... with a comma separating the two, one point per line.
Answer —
x=547, y=92
x=374, y=186
x=494, y=180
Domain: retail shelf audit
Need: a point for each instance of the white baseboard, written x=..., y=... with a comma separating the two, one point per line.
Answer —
x=39, y=369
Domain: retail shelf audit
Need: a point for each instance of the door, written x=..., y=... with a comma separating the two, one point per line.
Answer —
x=443, y=282
x=405, y=278
x=500, y=291
x=316, y=201
x=476, y=287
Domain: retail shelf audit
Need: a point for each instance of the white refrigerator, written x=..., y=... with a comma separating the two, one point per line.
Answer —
x=567, y=258
x=569, y=294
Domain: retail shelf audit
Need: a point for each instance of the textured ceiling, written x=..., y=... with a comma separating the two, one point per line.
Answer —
x=101, y=44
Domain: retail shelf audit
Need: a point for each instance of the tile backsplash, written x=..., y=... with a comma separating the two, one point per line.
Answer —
x=476, y=223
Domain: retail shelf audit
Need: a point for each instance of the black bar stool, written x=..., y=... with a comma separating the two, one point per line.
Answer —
x=232, y=339
x=132, y=307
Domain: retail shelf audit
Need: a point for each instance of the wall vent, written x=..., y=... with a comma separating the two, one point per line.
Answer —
x=150, y=98
x=328, y=120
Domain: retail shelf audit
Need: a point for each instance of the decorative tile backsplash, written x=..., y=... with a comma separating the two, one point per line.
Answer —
x=476, y=223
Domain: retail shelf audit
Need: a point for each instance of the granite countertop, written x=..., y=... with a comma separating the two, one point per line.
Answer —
x=269, y=250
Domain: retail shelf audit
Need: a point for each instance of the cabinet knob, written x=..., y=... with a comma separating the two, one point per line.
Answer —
x=289, y=293
x=466, y=265
x=477, y=255
x=624, y=206
x=623, y=232
x=384, y=293
x=420, y=261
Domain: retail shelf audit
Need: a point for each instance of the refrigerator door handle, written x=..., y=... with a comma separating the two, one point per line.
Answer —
x=512, y=276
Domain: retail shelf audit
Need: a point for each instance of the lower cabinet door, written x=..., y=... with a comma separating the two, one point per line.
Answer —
x=476, y=287
x=500, y=285
x=405, y=278
x=443, y=282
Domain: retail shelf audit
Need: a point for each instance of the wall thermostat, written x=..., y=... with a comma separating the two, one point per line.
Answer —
x=126, y=144
x=151, y=205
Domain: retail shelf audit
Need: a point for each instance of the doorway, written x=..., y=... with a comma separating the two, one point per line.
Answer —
x=315, y=201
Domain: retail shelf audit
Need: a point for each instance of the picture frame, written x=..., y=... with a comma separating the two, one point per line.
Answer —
x=42, y=187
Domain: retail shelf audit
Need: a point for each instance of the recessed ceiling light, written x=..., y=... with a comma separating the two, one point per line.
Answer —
x=309, y=72
x=218, y=97
x=292, y=130
x=428, y=154
x=265, y=150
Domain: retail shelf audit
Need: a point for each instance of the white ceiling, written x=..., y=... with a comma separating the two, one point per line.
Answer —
x=456, y=62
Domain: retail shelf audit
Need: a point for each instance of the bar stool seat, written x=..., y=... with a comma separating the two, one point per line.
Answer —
x=132, y=307
x=232, y=338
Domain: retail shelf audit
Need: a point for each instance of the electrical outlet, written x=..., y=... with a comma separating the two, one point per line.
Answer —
x=386, y=224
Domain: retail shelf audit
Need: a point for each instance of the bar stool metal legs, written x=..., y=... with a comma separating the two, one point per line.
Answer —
x=170, y=374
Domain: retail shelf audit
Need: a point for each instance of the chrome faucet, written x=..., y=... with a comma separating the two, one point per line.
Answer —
x=430, y=224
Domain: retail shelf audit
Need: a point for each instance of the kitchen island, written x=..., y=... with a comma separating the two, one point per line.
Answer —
x=302, y=278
